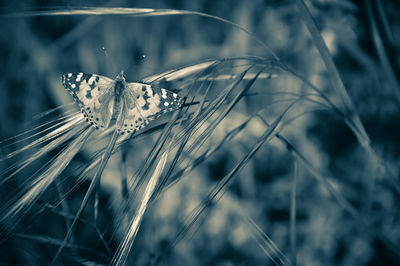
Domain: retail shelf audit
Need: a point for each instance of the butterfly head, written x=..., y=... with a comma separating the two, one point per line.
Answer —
x=121, y=76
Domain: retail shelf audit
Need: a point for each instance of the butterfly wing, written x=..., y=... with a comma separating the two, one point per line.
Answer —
x=143, y=103
x=94, y=94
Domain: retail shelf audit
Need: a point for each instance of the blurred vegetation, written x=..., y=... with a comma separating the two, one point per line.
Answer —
x=356, y=226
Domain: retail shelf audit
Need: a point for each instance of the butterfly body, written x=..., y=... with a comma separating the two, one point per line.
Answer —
x=103, y=99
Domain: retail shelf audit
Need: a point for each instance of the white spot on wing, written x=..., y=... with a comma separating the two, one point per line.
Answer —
x=73, y=86
x=166, y=103
x=78, y=77
x=91, y=80
x=164, y=93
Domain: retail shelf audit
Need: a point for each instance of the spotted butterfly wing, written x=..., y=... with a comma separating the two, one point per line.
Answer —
x=95, y=95
x=143, y=103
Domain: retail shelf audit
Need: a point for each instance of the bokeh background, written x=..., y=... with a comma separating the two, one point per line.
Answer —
x=363, y=38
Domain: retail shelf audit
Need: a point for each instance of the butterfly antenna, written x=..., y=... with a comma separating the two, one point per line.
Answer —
x=108, y=60
x=137, y=62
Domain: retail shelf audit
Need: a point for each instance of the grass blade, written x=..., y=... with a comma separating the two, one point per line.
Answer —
x=93, y=184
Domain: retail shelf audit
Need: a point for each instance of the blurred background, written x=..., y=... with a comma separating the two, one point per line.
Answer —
x=362, y=36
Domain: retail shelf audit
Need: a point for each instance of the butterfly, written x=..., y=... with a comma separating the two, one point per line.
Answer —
x=101, y=99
